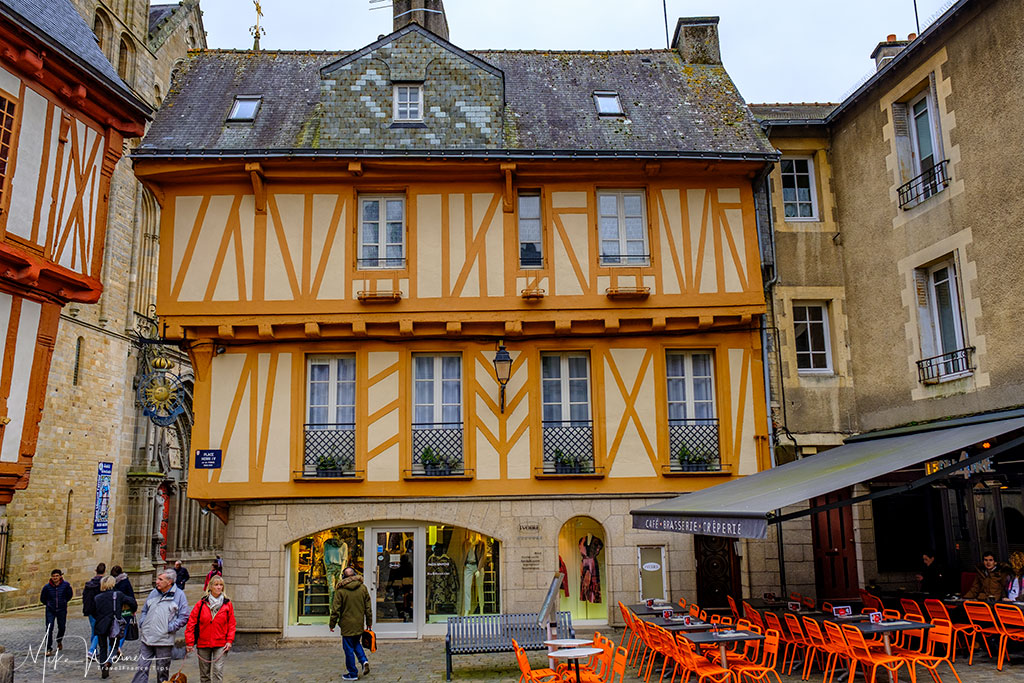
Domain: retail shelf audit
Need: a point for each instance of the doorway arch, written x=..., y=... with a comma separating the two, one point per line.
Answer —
x=581, y=556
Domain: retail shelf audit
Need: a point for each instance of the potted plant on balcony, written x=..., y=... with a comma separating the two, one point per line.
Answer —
x=329, y=465
x=694, y=460
x=434, y=463
x=566, y=463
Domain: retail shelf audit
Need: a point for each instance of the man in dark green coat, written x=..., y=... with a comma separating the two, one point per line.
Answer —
x=351, y=609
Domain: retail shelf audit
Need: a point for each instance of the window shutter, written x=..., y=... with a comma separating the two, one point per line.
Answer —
x=921, y=287
x=904, y=148
x=900, y=119
x=939, y=153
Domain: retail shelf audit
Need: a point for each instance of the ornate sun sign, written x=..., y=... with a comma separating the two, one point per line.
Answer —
x=162, y=397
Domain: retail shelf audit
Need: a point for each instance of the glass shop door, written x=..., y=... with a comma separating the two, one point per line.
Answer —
x=395, y=585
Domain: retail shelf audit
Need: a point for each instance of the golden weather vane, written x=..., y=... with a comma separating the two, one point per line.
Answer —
x=257, y=30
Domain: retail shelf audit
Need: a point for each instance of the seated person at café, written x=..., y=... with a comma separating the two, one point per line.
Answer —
x=991, y=580
x=1015, y=587
x=931, y=576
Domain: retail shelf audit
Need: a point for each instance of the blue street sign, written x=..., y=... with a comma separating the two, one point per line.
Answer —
x=208, y=459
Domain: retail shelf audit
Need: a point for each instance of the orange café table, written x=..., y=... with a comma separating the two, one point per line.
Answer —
x=721, y=638
x=575, y=654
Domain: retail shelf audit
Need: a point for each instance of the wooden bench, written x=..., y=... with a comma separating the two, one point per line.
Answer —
x=479, y=634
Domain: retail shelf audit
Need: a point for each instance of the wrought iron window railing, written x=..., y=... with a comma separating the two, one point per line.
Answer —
x=931, y=181
x=385, y=262
x=329, y=450
x=693, y=445
x=625, y=259
x=437, y=449
x=568, y=447
x=937, y=368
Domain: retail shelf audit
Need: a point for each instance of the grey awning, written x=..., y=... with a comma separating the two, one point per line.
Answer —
x=741, y=508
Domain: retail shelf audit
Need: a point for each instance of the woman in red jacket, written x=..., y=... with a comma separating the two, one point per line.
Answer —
x=211, y=630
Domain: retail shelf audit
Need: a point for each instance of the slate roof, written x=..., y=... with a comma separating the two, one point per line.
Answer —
x=57, y=23
x=158, y=13
x=794, y=111
x=671, y=108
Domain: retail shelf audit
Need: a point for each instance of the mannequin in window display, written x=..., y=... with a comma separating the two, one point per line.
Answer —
x=442, y=582
x=335, y=560
x=474, y=565
x=590, y=575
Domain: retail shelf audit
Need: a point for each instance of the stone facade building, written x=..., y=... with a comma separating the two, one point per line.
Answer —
x=93, y=416
x=895, y=294
x=453, y=315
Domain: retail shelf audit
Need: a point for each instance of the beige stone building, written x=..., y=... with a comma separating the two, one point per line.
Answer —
x=895, y=297
x=93, y=413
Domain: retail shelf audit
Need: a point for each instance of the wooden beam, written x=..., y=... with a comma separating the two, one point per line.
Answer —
x=355, y=168
x=312, y=329
x=259, y=188
x=705, y=321
x=265, y=331
x=405, y=328
x=513, y=327
x=226, y=331
x=508, y=203
x=453, y=328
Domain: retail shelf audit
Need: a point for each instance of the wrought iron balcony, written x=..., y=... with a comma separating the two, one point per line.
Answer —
x=625, y=259
x=329, y=450
x=437, y=450
x=693, y=445
x=382, y=262
x=568, y=447
x=945, y=366
x=932, y=181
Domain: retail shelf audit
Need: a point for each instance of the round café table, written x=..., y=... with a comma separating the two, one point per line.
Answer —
x=575, y=654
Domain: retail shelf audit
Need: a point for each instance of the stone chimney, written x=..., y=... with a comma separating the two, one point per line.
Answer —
x=427, y=13
x=889, y=48
x=696, y=39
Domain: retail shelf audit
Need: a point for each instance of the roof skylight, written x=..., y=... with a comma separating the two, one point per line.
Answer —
x=245, y=108
x=607, y=103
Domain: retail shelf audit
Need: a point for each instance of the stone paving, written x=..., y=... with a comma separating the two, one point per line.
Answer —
x=324, y=662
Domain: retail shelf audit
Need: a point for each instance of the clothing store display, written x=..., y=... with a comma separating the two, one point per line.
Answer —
x=565, y=576
x=473, y=574
x=590, y=575
x=335, y=560
x=442, y=583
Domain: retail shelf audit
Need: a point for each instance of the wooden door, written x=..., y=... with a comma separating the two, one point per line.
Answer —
x=717, y=570
x=835, y=555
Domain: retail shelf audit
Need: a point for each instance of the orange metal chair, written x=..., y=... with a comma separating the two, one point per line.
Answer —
x=758, y=673
x=694, y=610
x=528, y=675
x=822, y=646
x=862, y=654
x=618, y=670
x=903, y=645
x=628, y=633
x=834, y=634
x=809, y=603
x=936, y=610
x=826, y=607
x=732, y=607
x=984, y=621
x=871, y=602
x=940, y=649
x=797, y=641
x=682, y=602
x=700, y=667
x=911, y=607
x=1011, y=627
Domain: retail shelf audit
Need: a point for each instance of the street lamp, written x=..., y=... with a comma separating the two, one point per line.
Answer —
x=502, y=370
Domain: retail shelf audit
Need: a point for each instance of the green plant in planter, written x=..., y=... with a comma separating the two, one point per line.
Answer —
x=327, y=463
x=434, y=463
x=565, y=463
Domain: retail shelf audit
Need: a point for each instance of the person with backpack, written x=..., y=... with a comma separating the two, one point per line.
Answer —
x=124, y=585
x=55, y=596
x=89, y=593
x=211, y=631
x=108, y=624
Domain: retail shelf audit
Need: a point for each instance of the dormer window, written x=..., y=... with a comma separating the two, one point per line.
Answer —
x=607, y=103
x=408, y=102
x=245, y=108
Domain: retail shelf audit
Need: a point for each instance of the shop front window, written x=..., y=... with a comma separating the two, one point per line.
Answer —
x=581, y=557
x=318, y=561
x=462, y=573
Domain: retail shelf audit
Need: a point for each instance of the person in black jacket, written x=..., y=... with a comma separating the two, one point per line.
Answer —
x=182, y=573
x=89, y=592
x=123, y=586
x=55, y=595
x=106, y=607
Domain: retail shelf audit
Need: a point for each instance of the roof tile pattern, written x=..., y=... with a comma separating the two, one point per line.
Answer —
x=796, y=111
x=668, y=105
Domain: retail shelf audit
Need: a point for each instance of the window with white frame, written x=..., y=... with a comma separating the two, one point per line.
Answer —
x=531, y=250
x=244, y=108
x=381, y=231
x=943, y=344
x=923, y=170
x=922, y=128
x=799, y=194
x=622, y=226
x=565, y=387
x=811, y=337
x=690, y=379
x=408, y=102
x=437, y=391
x=331, y=395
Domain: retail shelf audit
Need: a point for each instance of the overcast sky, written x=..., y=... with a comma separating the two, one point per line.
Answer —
x=781, y=51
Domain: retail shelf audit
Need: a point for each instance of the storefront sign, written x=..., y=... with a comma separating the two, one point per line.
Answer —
x=208, y=459
x=101, y=510
x=531, y=561
x=732, y=527
x=529, y=530
x=651, y=566
x=980, y=467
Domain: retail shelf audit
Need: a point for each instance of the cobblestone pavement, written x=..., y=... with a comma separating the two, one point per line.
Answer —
x=324, y=663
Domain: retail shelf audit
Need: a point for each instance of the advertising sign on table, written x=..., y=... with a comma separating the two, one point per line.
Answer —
x=101, y=510
x=842, y=611
x=794, y=606
x=876, y=617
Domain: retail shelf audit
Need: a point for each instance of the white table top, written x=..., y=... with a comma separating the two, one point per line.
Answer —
x=568, y=642
x=575, y=652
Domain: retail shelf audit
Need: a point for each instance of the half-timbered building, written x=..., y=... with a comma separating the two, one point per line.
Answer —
x=64, y=116
x=454, y=314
